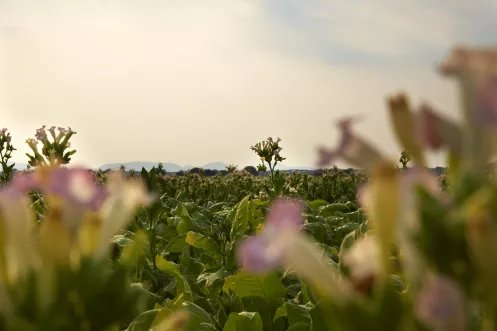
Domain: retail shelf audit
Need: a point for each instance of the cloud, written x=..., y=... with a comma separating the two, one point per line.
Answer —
x=386, y=32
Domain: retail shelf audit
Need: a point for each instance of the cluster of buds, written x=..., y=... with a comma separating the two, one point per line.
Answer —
x=268, y=150
x=71, y=250
x=231, y=168
x=6, y=149
x=55, y=152
x=446, y=241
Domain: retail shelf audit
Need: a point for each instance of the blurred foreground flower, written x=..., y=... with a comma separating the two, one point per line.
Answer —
x=441, y=305
x=351, y=148
x=281, y=244
x=65, y=254
x=363, y=260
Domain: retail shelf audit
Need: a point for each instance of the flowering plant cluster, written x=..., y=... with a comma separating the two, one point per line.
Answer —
x=55, y=152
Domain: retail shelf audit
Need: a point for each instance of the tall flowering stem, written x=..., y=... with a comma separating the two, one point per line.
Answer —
x=269, y=152
x=6, y=149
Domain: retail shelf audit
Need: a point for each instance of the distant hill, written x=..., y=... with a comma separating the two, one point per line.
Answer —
x=173, y=167
x=169, y=167
x=215, y=166
x=20, y=165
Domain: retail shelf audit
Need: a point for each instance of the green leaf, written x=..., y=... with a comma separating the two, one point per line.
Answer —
x=244, y=285
x=144, y=321
x=184, y=215
x=183, y=290
x=207, y=327
x=299, y=318
x=177, y=244
x=256, y=216
x=241, y=220
x=243, y=321
x=199, y=318
x=318, y=203
x=211, y=277
x=280, y=312
x=200, y=241
x=331, y=209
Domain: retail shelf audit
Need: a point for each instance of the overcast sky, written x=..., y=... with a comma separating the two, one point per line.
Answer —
x=198, y=81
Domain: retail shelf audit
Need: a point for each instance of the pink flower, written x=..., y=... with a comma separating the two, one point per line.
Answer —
x=479, y=62
x=281, y=244
x=434, y=131
x=262, y=253
x=76, y=185
x=351, y=148
x=406, y=217
x=486, y=102
x=476, y=68
x=440, y=305
x=41, y=134
x=363, y=260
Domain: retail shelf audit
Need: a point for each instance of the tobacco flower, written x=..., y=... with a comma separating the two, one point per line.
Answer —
x=281, y=244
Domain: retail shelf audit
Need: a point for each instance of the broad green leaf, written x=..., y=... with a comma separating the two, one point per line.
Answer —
x=182, y=227
x=183, y=291
x=135, y=250
x=299, y=318
x=217, y=207
x=280, y=312
x=211, y=277
x=177, y=244
x=243, y=321
x=198, y=316
x=200, y=241
x=244, y=285
x=207, y=327
x=318, y=203
x=352, y=205
x=241, y=220
x=183, y=213
x=331, y=209
x=256, y=216
x=143, y=322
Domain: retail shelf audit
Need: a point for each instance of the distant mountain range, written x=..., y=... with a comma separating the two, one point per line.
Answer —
x=173, y=167
x=169, y=167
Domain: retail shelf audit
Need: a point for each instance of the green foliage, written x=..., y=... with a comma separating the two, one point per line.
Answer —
x=190, y=264
x=6, y=149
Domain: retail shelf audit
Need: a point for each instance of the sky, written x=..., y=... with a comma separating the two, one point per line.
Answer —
x=199, y=81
